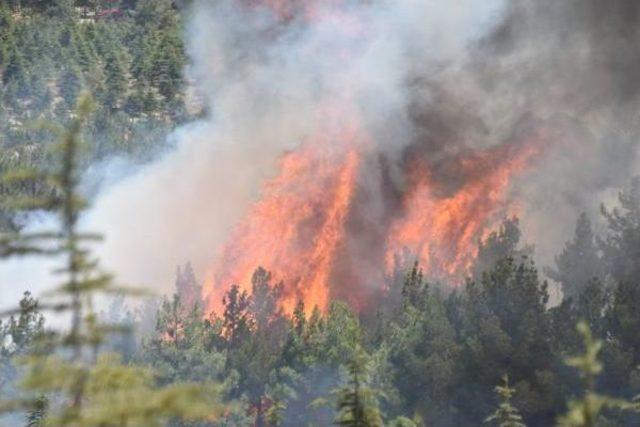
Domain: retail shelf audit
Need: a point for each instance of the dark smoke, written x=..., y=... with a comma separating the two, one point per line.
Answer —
x=568, y=69
x=441, y=83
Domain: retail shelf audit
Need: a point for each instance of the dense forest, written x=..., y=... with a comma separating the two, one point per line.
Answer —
x=129, y=55
x=492, y=350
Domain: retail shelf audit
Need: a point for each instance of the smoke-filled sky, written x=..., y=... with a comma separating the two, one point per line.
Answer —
x=431, y=79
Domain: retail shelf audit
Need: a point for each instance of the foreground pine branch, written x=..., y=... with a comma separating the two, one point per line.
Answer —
x=73, y=383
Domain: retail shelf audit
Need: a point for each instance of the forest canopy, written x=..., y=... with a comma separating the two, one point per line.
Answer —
x=82, y=81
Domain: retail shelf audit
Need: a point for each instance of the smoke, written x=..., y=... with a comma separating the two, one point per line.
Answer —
x=265, y=83
x=441, y=82
x=573, y=65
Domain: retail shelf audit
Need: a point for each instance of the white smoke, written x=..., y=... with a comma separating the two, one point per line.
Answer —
x=475, y=68
x=264, y=84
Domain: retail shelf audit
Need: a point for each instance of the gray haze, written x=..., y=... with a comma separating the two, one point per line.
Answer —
x=435, y=78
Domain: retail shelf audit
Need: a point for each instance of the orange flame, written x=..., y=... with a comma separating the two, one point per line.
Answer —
x=442, y=232
x=313, y=227
x=302, y=227
x=298, y=228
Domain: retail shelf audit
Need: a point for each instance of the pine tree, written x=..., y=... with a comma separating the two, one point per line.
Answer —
x=95, y=389
x=184, y=346
x=506, y=329
x=413, y=288
x=498, y=245
x=83, y=53
x=579, y=262
x=27, y=327
x=236, y=322
x=187, y=287
x=622, y=245
x=357, y=402
x=265, y=297
x=6, y=24
x=169, y=65
x=279, y=392
x=71, y=83
x=256, y=346
x=157, y=13
x=116, y=78
x=36, y=416
x=299, y=319
x=18, y=336
x=423, y=352
x=586, y=411
x=506, y=415
x=16, y=70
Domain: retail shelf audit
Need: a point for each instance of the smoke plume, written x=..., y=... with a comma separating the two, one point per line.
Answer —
x=265, y=79
x=433, y=119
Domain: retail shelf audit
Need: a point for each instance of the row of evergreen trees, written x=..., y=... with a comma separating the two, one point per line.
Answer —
x=427, y=355
x=132, y=63
x=491, y=350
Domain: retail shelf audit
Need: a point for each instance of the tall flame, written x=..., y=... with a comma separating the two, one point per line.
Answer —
x=298, y=227
x=300, y=230
x=315, y=227
x=442, y=232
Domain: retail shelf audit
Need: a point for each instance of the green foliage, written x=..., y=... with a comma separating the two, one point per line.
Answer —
x=586, y=411
x=435, y=355
x=500, y=244
x=506, y=415
x=52, y=52
x=506, y=329
x=280, y=390
x=261, y=329
x=402, y=422
x=579, y=263
x=24, y=329
x=622, y=242
x=422, y=348
x=37, y=415
x=115, y=394
x=357, y=402
x=180, y=348
x=341, y=334
x=91, y=390
x=18, y=335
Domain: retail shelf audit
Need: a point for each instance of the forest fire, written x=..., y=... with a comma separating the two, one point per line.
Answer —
x=313, y=230
x=442, y=232
x=299, y=225
x=334, y=223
